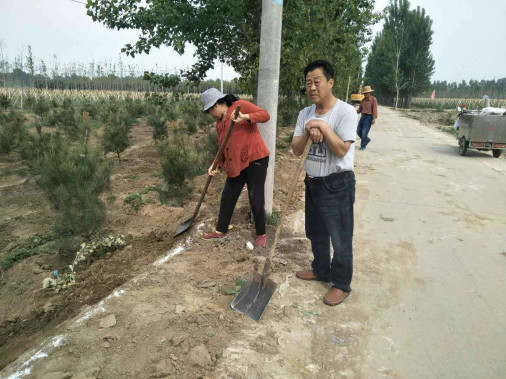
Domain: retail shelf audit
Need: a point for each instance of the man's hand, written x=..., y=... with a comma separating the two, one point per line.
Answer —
x=316, y=129
x=373, y=121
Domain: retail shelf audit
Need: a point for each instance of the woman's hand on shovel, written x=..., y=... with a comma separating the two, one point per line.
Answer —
x=240, y=117
x=212, y=172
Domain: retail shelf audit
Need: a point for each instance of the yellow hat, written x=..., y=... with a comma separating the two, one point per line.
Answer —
x=367, y=89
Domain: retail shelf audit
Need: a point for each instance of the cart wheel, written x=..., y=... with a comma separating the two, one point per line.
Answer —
x=463, y=145
x=496, y=153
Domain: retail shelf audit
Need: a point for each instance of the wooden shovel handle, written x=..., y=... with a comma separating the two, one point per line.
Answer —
x=289, y=197
x=216, y=160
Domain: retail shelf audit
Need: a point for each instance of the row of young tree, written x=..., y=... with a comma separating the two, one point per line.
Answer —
x=400, y=63
x=54, y=143
x=28, y=71
x=494, y=89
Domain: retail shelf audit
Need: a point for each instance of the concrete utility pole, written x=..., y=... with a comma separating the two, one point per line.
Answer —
x=268, y=84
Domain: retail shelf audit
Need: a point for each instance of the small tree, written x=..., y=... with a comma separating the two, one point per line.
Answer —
x=5, y=101
x=41, y=106
x=12, y=132
x=178, y=160
x=115, y=137
x=159, y=125
x=73, y=180
x=400, y=64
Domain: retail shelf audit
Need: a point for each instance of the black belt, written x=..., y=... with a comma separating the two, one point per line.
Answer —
x=366, y=114
x=329, y=178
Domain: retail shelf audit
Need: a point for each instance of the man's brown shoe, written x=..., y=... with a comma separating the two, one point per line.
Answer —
x=308, y=275
x=335, y=296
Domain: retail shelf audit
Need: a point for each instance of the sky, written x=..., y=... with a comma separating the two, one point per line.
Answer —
x=468, y=40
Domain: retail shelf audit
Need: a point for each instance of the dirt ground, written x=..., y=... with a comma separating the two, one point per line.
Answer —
x=26, y=311
x=427, y=292
x=431, y=117
x=29, y=313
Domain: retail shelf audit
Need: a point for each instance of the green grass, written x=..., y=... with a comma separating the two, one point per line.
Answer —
x=131, y=176
x=156, y=174
x=25, y=251
x=273, y=218
x=284, y=142
x=136, y=198
x=270, y=219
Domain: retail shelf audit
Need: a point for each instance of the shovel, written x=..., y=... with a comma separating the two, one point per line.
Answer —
x=257, y=291
x=188, y=223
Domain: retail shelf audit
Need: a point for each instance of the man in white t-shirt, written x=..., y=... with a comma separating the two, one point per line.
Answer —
x=330, y=181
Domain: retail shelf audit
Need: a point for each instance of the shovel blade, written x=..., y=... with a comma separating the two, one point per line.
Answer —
x=254, y=296
x=184, y=227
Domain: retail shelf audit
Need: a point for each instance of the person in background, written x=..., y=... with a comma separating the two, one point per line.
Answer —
x=369, y=110
x=245, y=159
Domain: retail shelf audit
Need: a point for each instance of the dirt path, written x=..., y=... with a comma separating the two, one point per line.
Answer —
x=428, y=291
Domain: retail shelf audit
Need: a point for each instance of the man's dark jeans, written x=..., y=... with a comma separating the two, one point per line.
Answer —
x=364, y=125
x=254, y=176
x=329, y=217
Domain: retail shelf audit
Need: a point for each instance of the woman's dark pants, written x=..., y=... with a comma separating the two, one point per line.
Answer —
x=254, y=176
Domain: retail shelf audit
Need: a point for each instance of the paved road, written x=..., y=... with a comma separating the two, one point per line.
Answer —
x=436, y=223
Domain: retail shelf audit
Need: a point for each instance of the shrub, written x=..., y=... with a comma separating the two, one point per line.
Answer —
x=108, y=109
x=68, y=121
x=5, y=101
x=172, y=113
x=35, y=146
x=205, y=122
x=71, y=124
x=12, y=132
x=135, y=108
x=209, y=148
x=73, y=180
x=178, y=163
x=92, y=107
x=30, y=101
x=115, y=137
x=67, y=103
x=159, y=125
x=41, y=107
x=190, y=126
x=156, y=99
x=123, y=117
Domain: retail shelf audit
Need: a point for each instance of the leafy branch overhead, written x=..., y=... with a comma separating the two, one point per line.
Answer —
x=229, y=31
x=166, y=80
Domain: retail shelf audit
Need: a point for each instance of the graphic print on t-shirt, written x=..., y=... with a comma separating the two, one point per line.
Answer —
x=318, y=153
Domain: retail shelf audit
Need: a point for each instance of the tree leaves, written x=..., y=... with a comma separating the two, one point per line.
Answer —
x=229, y=31
x=400, y=64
